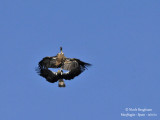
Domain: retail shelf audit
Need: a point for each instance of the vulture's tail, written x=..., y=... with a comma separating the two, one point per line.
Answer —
x=61, y=83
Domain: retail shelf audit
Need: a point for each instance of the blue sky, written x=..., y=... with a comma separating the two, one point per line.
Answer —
x=121, y=38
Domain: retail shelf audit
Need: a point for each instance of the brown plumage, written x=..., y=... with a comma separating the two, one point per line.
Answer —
x=72, y=65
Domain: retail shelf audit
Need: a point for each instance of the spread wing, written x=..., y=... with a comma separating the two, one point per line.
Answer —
x=74, y=66
x=49, y=75
x=48, y=62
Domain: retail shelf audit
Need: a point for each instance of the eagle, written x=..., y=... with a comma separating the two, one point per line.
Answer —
x=73, y=66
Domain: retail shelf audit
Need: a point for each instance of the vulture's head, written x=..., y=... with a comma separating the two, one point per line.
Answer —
x=60, y=56
x=61, y=52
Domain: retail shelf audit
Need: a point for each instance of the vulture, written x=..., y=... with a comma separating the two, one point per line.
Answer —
x=73, y=66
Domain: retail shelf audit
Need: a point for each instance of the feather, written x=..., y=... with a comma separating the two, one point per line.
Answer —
x=75, y=67
x=48, y=74
x=48, y=62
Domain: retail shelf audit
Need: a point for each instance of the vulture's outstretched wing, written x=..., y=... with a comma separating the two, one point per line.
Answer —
x=49, y=75
x=74, y=66
x=48, y=62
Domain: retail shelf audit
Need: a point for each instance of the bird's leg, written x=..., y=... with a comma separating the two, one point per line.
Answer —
x=61, y=71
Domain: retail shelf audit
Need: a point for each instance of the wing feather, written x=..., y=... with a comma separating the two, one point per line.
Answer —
x=49, y=75
x=48, y=62
x=74, y=66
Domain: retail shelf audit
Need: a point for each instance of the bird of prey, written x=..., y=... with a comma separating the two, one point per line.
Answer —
x=74, y=67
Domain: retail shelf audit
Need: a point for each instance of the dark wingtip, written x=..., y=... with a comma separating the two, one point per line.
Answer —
x=37, y=69
x=84, y=64
x=88, y=64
